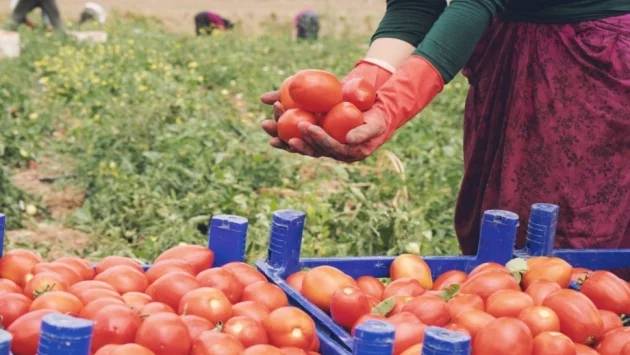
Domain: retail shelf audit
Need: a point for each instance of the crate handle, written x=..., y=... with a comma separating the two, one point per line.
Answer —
x=65, y=335
x=227, y=234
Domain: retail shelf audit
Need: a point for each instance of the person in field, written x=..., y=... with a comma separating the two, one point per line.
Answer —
x=21, y=9
x=92, y=12
x=206, y=22
x=307, y=24
x=547, y=118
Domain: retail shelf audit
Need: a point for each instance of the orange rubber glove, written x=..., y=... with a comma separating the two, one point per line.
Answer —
x=377, y=72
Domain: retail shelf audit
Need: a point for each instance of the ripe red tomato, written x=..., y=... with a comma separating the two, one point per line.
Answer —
x=82, y=266
x=320, y=283
x=625, y=350
x=156, y=307
x=290, y=326
x=414, y=350
x=201, y=258
x=464, y=301
x=503, y=336
x=404, y=286
x=473, y=320
x=409, y=331
x=262, y=349
x=26, y=253
x=581, y=349
x=216, y=343
x=224, y=280
x=114, y=324
x=12, y=307
x=399, y=303
x=67, y=272
x=136, y=300
x=508, y=303
x=314, y=345
x=196, y=325
x=293, y=351
x=579, y=274
x=546, y=268
x=430, y=310
x=165, y=334
x=107, y=349
x=553, y=343
x=340, y=120
x=371, y=286
x=89, y=284
x=288, y=123
x=449, y=278
x=89, y=295
x=124, y=279
x=285, y=98
x=315, y=90
x=579, y=318
x=489, y=266
x=365, y=318
x=540, y=289
x=613, y=341
x=607, y=291
x=8, y=286
x=267, y=294
x=244, y=273
x=171, y=287
x=89, y=310
x=208, y=303
x=248, y=331
x=115, y=260
x=16, y=267
x=62, y=302
x=486, y=283
x=457, y=328
x=250, y=309
x=360, y=92
x=347, y=305
x=409, y=265
x=44, y=282
x=295, y=280
x=131, y=349
x=25, y=331
x=611, y=320
x=540, y=319
x=163, y=267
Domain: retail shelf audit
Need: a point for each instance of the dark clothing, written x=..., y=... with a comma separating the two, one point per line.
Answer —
x=307, y=24
x=206, y=22
x=49, y=7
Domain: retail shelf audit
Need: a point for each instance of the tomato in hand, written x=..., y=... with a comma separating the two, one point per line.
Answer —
x=449, y=278
x=611, y=320
x=473, y=320
x=547, y=268
x=508, y=303
x=201, y=258
x=215, y=343
x=553, y=343
x=579, y=318
x=409, y=265
x=503, y=336
x=320, y=283
x=486, y=283
x=613, y=341
x=165, y=334
x=196, y=325
x=348, y=304
x=83, y=267
x=430, y=310
x=288, y=123
x=124, y=279
x=266, y=294
x=607, y=291
x=290, y=326
x=208, y=303
x=164, y=267
x=340, y=120
x=248, y=331
x=44, y=282
x=404, y=286
x=371, y=286
x=539, y=290
x=360, y=92
x=12, y=307
x=25, y=331
x=285, y=98
x=223, y=280
x=244, y=273
x=464, y=301
x=114, y=324
x=171, y=287
x=62, y=302
x=540, y=319
x=315, y=90
x=250, y=309
x=115, y=260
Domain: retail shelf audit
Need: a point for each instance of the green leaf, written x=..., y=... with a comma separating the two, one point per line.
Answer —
x=517, y=267
x=450, y=292
x=385, y=306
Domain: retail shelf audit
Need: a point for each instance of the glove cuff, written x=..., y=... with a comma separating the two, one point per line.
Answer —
x=379, y=63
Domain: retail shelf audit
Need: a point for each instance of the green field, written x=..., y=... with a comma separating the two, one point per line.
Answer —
x=161, y=131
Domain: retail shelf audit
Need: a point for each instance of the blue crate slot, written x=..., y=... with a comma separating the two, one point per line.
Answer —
x=65, y=335
x=2, y=224
x=496, y=243
x=5, y=342
x=373, y=337
x=439, y=341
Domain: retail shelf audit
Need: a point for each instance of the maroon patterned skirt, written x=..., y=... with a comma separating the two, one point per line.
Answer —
x=548, y=120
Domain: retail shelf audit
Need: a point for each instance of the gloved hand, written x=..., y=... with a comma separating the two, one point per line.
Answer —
x=409, y=90
x=375, y=71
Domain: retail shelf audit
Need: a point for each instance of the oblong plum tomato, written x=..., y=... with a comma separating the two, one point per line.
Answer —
x=448, y=279
x=413, y=266
x=248, y=331
x=244, y=273
x=89, y=284
x=69, y=274
x=288, y=123
x=464, y=301
x=82, y=266
x=165, y=334
x=607, y=291
x=429, y=310
x=348, y=304
x=371, y=286
x=295, y=280
x=290, y=326
x=224, y=280
x=136, y=300
x=164, y=267
x=613, y=341
x=486, y=283
x=611, y=320
x=156, y=307
x=250, y=309
x=405, y=286
x=539, y=290
x=196, y=325
x=285, y=98
x=267, y=294
x=473, y=320
x=115, y=260
x=340, y=120
x=547, y=268
x=44, y=282
x=171, y=287
x=212, y=342
x=508, y=303
x=399, y=303
x=114, y=324
x=359, y=92
x=489, y=266
x=200, y=257
x=90, y=309
x=25, y=331
x=553, y=343
x=503, y=336
x=208, y=303
x=131, y=349
x=8, y=286
x=321, y=282
x=262, y=349
x=579, y=318
x=124, y=279
x=315, y=90
x=62, y=302
x=12, y=306
x=540, y=319
x=581, y=349
x=16, y=267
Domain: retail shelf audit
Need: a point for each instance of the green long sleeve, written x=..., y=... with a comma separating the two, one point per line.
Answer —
x=409, y=20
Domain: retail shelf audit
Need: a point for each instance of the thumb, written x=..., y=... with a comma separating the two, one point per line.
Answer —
x=270, y=97
x=375, y=125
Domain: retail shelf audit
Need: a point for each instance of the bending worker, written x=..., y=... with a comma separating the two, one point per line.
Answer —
x=307, y=24
x=206, y=22
x=50, y=13
x=547, y=117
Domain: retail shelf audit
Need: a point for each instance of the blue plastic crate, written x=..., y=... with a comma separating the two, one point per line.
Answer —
x=496, y=243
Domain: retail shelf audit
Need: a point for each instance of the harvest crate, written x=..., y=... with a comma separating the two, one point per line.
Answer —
x=496, y=243
x=9, y=44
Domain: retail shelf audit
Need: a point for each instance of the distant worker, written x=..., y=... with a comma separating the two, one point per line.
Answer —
x=206, y=22
x=21, y=8
x=307, y=24
x=92, y=12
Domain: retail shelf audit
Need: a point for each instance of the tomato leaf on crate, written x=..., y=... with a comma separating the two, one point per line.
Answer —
x=517, y=267
x=385, y=306
x=450, y=292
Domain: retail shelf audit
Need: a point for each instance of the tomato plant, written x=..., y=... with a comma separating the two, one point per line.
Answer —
x=290, y=326
x=607, y=291
x=266, y=294
x=315, y=90
x=579, y=318
x=247, y=330
x=201, y=258
x=360, y=92
x=409, y=265
x=165, y=334
x=503, y=336
x=320, y=283
x=347, y=305
x=340, y=120
x=222, y=280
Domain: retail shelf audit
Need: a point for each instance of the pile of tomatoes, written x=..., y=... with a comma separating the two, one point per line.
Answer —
x=523, y=308
x=318, y=97
x=180, y=306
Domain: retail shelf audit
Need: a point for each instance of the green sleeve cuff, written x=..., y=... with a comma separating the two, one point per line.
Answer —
x=409, y=20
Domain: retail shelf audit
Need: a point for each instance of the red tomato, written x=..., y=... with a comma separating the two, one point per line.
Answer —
x=89, y=284
x=373, y=301
x=611, y=320
x=508, y=303
x=613, y=341
x=131, y=349
x=165, y=334
x=625, y=350
x=546, y=268
x=360, y=92
x=430, y=310
x=581, y=349
x=347, y=305
x=607, y=291
x=473, y=320
x=156, y=307
x=163, y=267
x=223, y=280
x=540, y=289
x=553, y=343
x=136, y=300
x=409, y=331
x=89, y=295
x=540, y=319
x=285, y=98
x=84, y=268
x=25, y=331
x=457, y=328
x=579, y=274
x=8, y=286
x=171, y=287
x=295, y=280
x=365, y=318
x=340, y=120
x=201, y=258
x=290, y=326
x=489, y=266
x=262, y=349
x=409, y=265
x=414, y=350
x=114, y=260
x=314, y=345
x=288, y=123
x=267, y=294
x=25, y=253
x=293, y=351
x=579, y=318
x=399, y=303
x=89, y=310
x=196, y=325
x=124, y=279
x=214, y=343
x=371, y=286
x=44, y=282
x=16, y=267
x=107, y=349
x=62, y=302
x=67, y=272
x=244, y=273
x=248, y=331
x=315, y=90
x=114, y=324
x=208, y=303
x=404, y=286
x=503, y=336
x=320, y=283
x=449, y=278
x=250, y=309
x=12, y=307
x=486, y=283
x=464, y=301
